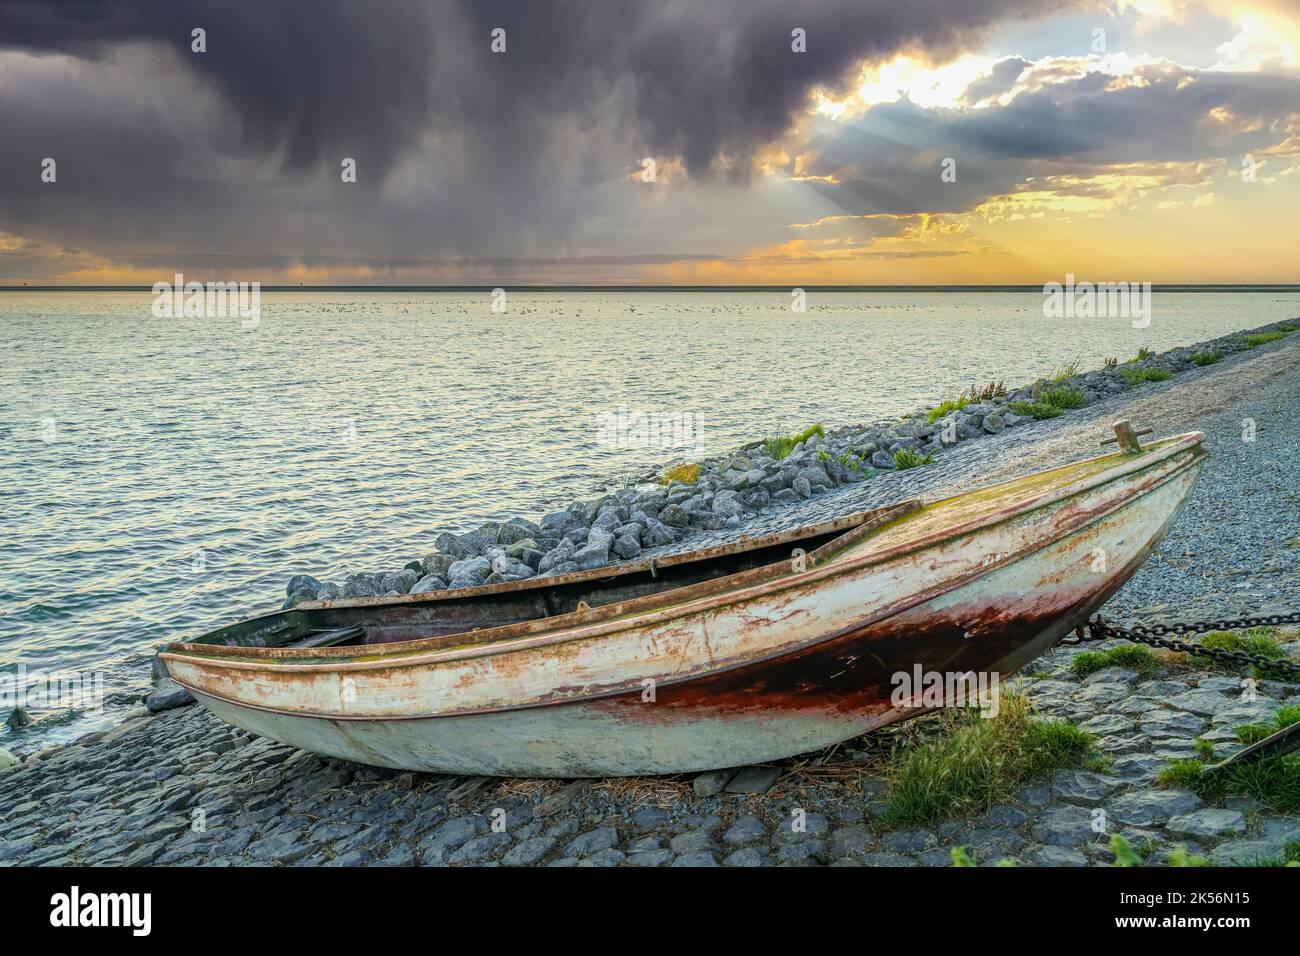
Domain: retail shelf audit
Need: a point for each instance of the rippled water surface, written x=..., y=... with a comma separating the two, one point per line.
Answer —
x=163, y=476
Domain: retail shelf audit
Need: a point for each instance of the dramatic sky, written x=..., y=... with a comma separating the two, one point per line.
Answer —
x=1137, y=139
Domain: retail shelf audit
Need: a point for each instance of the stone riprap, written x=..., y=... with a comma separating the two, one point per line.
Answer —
x=732, y=491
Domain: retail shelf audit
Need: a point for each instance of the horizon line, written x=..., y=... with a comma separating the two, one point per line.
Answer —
x=938, y=287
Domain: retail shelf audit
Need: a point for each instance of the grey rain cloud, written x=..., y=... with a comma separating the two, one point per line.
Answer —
x=459, y=150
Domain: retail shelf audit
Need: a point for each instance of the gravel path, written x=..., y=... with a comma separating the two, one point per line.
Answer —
x=183, y=788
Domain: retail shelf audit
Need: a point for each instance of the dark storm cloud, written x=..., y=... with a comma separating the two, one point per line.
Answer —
x=889, y=160
x=700, y=78
x=301, y=74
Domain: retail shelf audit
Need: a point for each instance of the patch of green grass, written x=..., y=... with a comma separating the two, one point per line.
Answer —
x=1257, y=641
x=1087, y=662
x=977, y=761
x=1038, y=410
x=1136, y=376
x=906, y=458
x=1287, y=716
x=1253, y=733
x=1181, y=857
x=961, y=856
x=849, y=460
x=1185, y=774
x=1291, y=325
x=1124, y=853
x=1271, y=779
x=1207, y=358
x=1100, y=763
x=687, y=474
x=779, y=447
x=1066, y=371
x=1144, y=353
x=1134, y=657
x=1205, y=750
x=1066, y=396
x=855, y=464
x=1262, y=338
x=950, y=405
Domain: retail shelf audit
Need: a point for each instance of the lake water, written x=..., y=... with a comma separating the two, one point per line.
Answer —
x=163, y=476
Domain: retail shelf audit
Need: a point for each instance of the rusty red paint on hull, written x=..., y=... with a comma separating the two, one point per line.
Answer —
x=853, y=673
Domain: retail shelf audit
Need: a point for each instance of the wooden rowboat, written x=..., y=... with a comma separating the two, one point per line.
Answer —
x=704, y=660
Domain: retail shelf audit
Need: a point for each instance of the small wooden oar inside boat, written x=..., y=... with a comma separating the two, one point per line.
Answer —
x=339, y=635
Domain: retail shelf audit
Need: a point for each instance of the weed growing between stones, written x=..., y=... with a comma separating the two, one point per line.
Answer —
x=1273, y=780
x=1065, y=396
x=850, y=460
x=1036, y=410
x=909, y=458
x=1207, y=358
x=1126, y=855
x=1100, y=762
x=779, y=447
x=1290, y=856
x=962, y=856
x=1067, y=371
x=951, y=405
x=1179, y=856
x=976, y=762
x=1143, y=354
x=1132, y=657
x=1137, y=376
x=1262, y=338
x=686, y=474
x=986, y=393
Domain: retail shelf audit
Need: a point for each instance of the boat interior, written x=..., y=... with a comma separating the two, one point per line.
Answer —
x=446, y=613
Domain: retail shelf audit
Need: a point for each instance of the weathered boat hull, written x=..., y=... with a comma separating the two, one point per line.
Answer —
x=740, y=676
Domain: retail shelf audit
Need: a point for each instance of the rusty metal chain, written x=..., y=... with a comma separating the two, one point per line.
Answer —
x=1154, y=636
